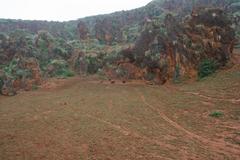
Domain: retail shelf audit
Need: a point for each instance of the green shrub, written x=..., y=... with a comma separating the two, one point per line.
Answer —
x=62, y=48
x=22, y=73
x=216, y=114
x=64, y=73
x=121, y=72
x=61, y=69
x=59, y=51
x=43, y=41
x=1, y=83
x=34, y=87
x=59, y=63
x=111, y=58
x=8, y=70
x=15, y=71
x=149, y=76
x=93, y=65
x=177, y=75
x=206, y=68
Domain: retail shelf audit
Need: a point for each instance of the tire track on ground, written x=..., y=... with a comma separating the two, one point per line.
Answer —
x=231, y=100
x=220, y=147
x=213, y=98
x=127, y=132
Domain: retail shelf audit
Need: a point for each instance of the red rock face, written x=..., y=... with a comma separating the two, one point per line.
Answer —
x=108, y=30
x=82, y=30
x=78, y=62
x=32, y=65
x=205, y=35
x=10, y=86
x=8, y=89
x=173, y=46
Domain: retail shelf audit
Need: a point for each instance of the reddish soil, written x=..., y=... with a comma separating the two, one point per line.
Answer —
x=87, y=118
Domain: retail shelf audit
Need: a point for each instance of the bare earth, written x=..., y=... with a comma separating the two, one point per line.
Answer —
x=84, y=119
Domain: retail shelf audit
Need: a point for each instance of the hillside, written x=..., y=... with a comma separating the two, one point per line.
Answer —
x=117, y=21
x=164, y=41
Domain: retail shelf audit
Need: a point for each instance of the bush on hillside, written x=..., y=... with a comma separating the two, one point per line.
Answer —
x=1, y=79
x=206, y=68
x=216, y=114
x=16, y=71
x=8, y=70
x=177, y=75
x=60, y=69
x=149, y=76
x=93, y=64
x=122, y=72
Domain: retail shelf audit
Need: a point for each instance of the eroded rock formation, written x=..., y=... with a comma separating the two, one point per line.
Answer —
x=163, y=41
x=180, y=48
x=23, y=73
x=82, y=30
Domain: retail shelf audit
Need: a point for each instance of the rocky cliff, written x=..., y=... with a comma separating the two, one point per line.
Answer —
x=166, y=40
x=175, y=48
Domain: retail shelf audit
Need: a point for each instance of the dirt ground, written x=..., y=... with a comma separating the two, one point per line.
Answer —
x=84, y=119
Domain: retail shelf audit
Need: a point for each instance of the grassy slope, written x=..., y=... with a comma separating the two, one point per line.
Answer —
x=88, y=120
